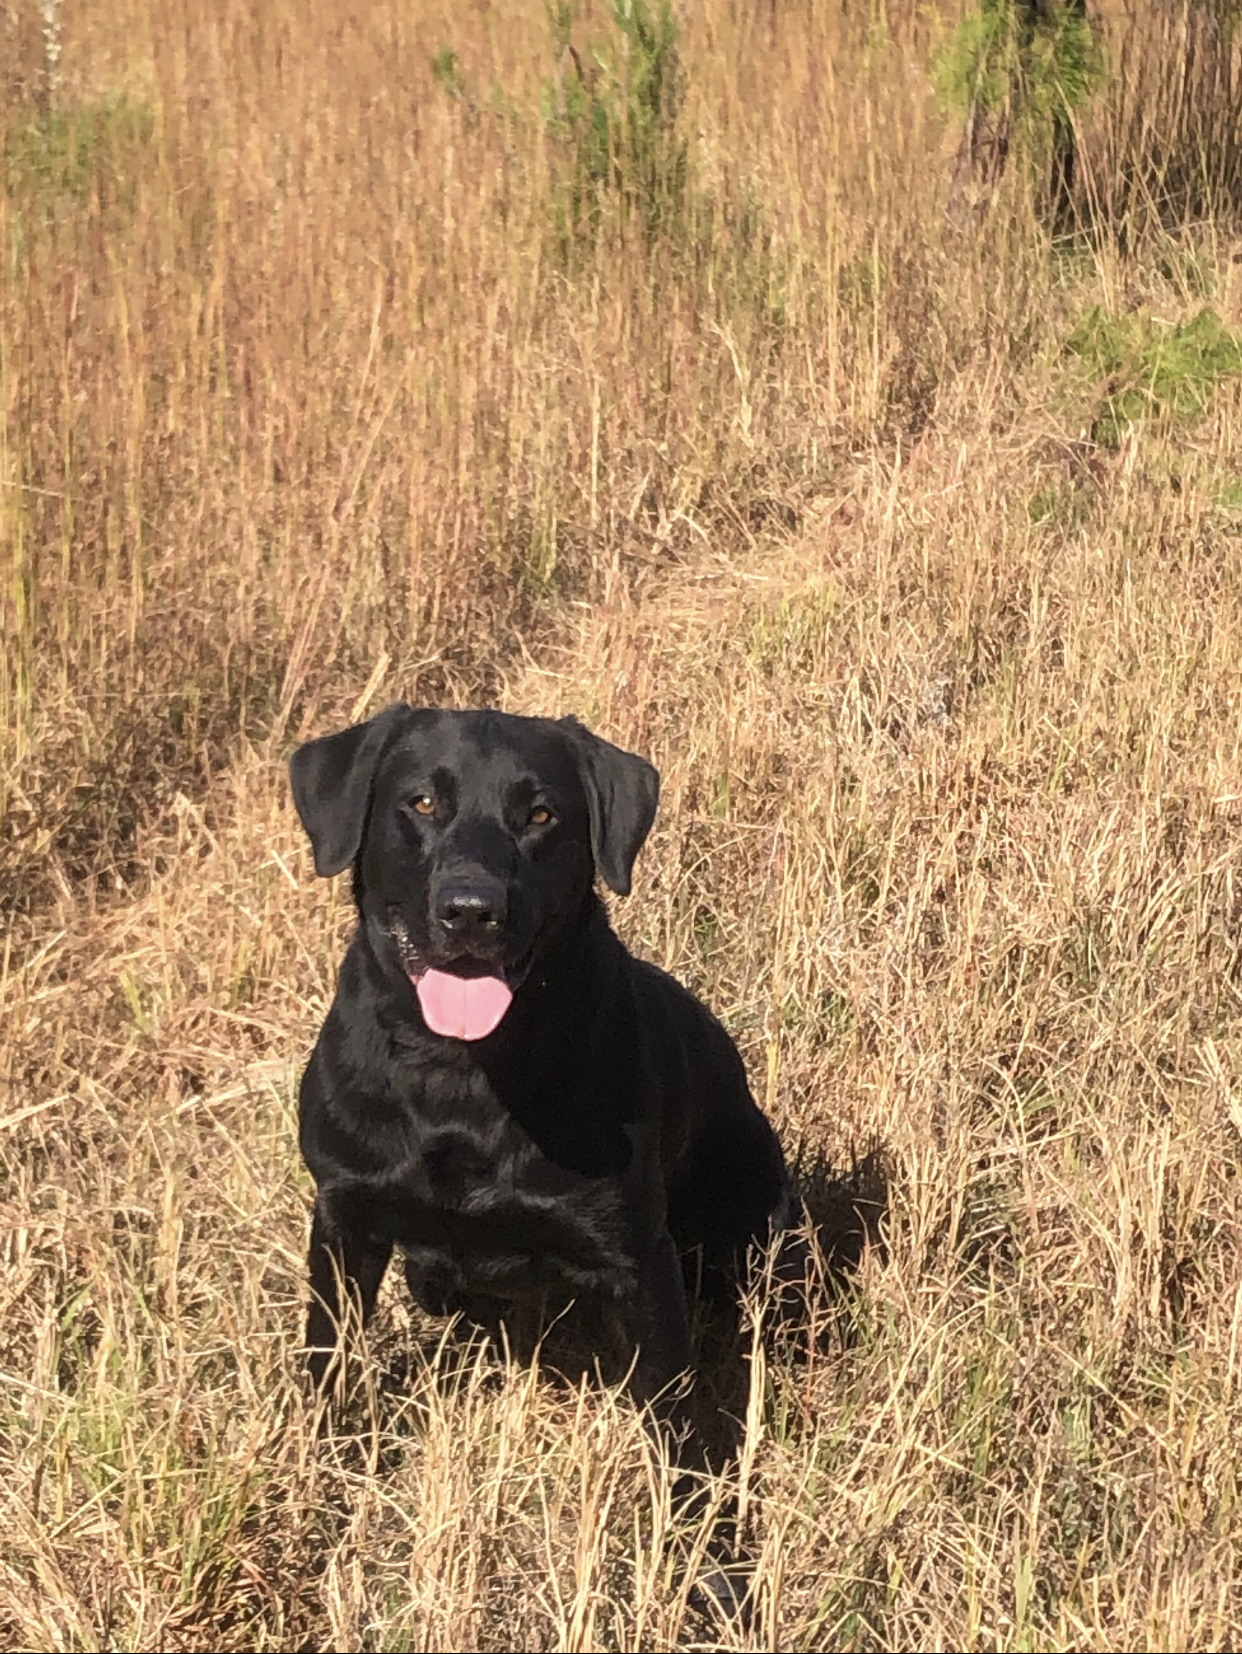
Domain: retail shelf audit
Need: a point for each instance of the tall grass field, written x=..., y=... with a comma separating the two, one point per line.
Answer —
x=837, y=401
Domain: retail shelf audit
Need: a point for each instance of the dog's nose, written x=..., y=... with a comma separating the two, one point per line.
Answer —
x=475, y=904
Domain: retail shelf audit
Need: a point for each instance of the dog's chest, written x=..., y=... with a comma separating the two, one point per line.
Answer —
x=478, y=1200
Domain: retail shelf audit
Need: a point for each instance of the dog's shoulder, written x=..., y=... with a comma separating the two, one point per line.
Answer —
x=679, y=1024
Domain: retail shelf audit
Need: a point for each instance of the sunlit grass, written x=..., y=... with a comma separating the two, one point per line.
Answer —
x=401, y=352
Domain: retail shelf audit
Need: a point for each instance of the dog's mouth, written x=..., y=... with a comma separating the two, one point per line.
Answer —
x=466, y=1000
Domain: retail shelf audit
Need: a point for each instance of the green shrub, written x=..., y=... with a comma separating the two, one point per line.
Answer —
x=614, y=122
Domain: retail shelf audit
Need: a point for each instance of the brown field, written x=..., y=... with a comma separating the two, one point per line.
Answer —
x=350, y=353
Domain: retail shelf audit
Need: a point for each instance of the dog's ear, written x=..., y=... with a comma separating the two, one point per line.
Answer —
x=331, y=780
x=622, y=793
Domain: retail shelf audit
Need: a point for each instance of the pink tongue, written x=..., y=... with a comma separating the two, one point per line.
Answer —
x=462, y=1007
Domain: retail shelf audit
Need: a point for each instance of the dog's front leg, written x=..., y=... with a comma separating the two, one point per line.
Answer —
x=659, y=1322
x=342, y=1260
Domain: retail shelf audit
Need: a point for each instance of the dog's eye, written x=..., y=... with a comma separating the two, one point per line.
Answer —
x=423, y=805
x=540, y=816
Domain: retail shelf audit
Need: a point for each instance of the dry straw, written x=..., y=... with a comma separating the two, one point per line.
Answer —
x=355, y=352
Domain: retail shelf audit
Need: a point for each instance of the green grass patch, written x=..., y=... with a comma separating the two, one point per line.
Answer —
x=63, y=150
x=1141, y=369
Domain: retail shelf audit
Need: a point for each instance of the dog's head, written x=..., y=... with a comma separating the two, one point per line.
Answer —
x=475, y=838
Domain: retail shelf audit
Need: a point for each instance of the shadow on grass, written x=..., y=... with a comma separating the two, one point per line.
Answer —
x=846, y=1208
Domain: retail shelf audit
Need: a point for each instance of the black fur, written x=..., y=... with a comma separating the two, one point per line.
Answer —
x=602, y=1129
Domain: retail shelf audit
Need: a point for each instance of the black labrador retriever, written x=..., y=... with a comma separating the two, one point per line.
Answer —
x=501, y=1091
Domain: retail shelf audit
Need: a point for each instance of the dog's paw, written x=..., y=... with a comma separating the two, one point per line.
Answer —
x=721, y=1592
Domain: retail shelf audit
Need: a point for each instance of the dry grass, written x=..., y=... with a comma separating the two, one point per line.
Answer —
x=316, y=388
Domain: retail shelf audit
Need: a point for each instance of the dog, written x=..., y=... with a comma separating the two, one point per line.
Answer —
x=501, y=1092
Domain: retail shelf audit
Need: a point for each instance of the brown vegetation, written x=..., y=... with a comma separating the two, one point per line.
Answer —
x=341, y=359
